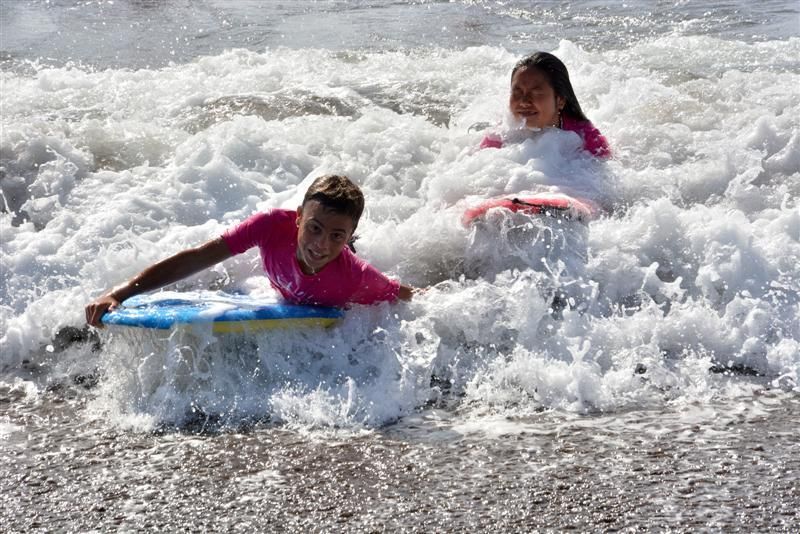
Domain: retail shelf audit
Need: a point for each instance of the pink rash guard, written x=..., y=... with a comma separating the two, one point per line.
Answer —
x=593, y=140
x=346, y=279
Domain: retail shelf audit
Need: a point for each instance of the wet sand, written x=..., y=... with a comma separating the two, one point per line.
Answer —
x=718, y=467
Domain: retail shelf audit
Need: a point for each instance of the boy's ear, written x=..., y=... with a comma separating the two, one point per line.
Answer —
x=299, y=215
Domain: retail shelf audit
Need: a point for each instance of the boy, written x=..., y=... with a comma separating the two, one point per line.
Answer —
x=304, y=254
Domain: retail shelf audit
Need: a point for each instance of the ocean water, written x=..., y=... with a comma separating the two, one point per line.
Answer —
x=639, y=372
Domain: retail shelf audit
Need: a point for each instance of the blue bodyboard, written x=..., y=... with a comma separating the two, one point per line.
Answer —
x=224, y=312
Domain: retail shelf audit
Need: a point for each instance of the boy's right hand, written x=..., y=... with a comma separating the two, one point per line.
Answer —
x=96, y=309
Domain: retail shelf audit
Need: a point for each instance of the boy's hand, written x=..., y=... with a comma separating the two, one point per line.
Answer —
x=407, y=292
x=96, y=309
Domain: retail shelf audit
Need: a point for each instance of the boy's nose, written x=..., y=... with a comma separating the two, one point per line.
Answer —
x=321, y=243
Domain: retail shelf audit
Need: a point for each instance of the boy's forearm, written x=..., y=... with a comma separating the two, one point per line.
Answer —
x=172, y=269
x=158, y=275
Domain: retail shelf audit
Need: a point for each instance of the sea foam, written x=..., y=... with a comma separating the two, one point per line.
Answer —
x=687, y=288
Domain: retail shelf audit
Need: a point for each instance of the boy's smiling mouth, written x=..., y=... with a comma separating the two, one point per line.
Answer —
x=315, y=255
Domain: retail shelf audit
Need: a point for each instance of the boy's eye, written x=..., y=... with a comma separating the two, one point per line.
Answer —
x=336, y=236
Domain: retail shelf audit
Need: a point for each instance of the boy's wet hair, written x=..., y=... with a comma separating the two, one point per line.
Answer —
x=337, y=193
x=558, y=76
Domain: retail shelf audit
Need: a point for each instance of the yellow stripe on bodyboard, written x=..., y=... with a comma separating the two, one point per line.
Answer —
x=227, y=327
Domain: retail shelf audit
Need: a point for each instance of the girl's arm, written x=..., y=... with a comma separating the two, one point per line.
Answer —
x=168, y=271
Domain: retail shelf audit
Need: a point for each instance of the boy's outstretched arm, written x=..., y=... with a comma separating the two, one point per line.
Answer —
x=168, y=271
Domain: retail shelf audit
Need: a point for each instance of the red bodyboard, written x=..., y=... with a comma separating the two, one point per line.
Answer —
x=546, y=204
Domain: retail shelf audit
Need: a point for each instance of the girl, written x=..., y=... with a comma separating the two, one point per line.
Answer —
x=542, y=97
x=304, y=254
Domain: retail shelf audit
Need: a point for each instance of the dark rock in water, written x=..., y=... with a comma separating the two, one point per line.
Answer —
x=630, y=304
x=558, y=305
x=444, y=384
x=87, y=381
x=69, y=335
x=736, y=369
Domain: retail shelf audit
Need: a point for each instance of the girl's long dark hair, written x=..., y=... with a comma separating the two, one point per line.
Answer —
x=557, y=75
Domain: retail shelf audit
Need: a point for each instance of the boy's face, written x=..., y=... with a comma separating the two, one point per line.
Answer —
x=533, y=99
x=321, y=235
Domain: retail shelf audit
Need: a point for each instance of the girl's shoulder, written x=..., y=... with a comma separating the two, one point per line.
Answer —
x=492, y=135
x=492, y=140
x=594, y=142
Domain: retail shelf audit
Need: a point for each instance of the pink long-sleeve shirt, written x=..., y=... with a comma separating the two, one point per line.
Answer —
x=593, y=141
x=346, y=279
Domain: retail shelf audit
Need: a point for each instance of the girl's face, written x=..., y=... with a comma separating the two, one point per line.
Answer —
x=321, y=235
x=533, y=99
